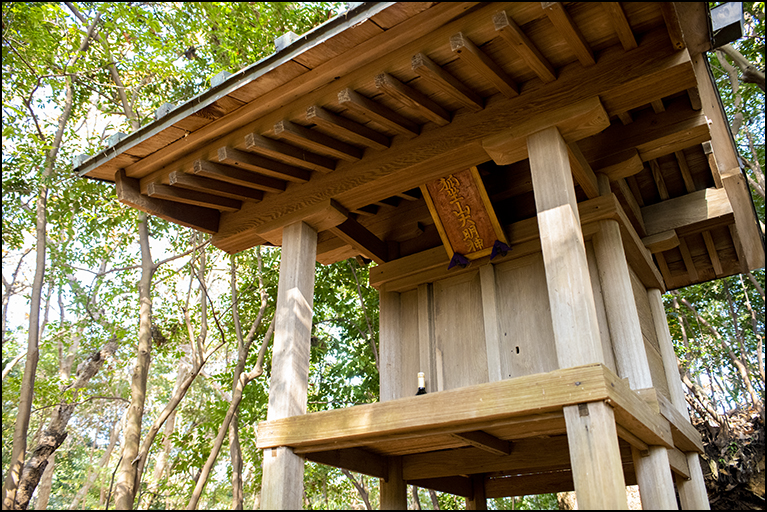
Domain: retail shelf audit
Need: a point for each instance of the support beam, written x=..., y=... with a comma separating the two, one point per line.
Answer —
x=689, y=184
x=689, y=264
x=394, y=488
x=197, y=217
x=485, y=441
x=376, y=112
x=711, y=249
x=567, y=28
x=657, y=177
x=346, y=128
x=692, y=493
x=681, y=211
x=490, y=316
x=660, y=242
x=621, y=25
x=520, y=43
x=359, y=237
x=193, y=197
x=582, y=171
x=237, y=176
x=620, y=165
x=316, y=141
x=412, y=99
x=482, y=64
x=354, y=459
x=595, y=457
x=441, y=79
x=220, y=188
x=751, y=236
x=261, y=165
x=621, y=188
x=288, y=154
x=282, y=484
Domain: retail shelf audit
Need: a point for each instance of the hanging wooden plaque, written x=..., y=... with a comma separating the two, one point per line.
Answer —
x=463, y=214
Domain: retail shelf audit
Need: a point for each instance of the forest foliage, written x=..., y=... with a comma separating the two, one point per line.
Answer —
x=74, y=74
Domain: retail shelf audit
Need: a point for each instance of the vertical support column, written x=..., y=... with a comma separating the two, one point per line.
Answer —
x=478, y=500
x=591, y=433
x=394, y=488
x=283, y=477
x=390, y=348
x=656, y=484
x=692, y=492
x=573, y=313
x=425, y=339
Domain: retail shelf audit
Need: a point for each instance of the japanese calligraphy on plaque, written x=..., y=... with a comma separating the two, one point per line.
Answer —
x=463, y=214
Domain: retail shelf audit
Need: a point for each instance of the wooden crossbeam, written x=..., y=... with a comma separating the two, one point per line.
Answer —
x=458, y=485
x=620, y=187
x=692, y=272
x=620, y=165
x=664, y=270
x=220, y=188
x=567, y=28
x=342, y=127
x=370, y=209
x=519, y=41
x=261, y=165
x=668, y=9
x=412, y=99
x=441, y=79
x=657, y=106
x=288, y=154
x=237, y=176
x=194, y=197
x=196, y=217
x=712, y=253
x=660, y=242
x=689, y=209
x=657, y=177
x=315, y=141
x=582, y=171
x=359, y=237
x=713, y=166
x=621, y=25
x=354, y=459
x=689, y=184
x=634, y=186
x=482, y=64
x=485, y=441
x=376, y=112
x=625, y=117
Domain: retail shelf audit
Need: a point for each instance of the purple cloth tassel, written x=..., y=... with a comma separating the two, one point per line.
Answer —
x=499, y=248
x=458, y=259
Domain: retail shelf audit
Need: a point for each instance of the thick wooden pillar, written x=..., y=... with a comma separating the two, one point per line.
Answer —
x=283, y=478
x=394, y=489
x=591, y=432
x=656, y=484
x=692, y=492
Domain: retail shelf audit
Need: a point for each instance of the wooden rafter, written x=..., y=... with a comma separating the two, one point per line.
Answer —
x=412, y=99
x=634, y=186
x=712, y=253
x=702, y=205
x=582, y=171
x=621, y=24
x=685, y=170
x=567, y=28
x=193, y=197
x=621, y=188
x=315, y=141
x=482, y=64
x=359, y=237
x=620, y=165
x=485, y=441
x=376, y=112
x=444, y=81
x=237, y=176
x=261, y=165
x=342, y=127
x=220, y=188
x=657, y=177
x=660, y=242
x=689, y=264
x=518, y=40
x=287, y=154
x=202, y=219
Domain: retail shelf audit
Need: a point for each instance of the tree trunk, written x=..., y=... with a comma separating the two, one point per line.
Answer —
x=46, y=483
x=93, y=472
x=125, y=491
x=235, y=455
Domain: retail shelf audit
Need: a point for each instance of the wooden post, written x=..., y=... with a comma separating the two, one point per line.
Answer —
x=390, y=348
x=478, y=500
x=692, y=492
x=591, y=433
x=656, y=485
x=282, y=486
x=490, y=314
x=595, y=457
x=394, y=489
x=573, y=313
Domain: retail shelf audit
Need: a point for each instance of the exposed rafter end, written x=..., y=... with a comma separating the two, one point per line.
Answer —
x=196, y=217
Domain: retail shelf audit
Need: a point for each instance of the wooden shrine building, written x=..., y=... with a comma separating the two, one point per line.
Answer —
x=569, y=161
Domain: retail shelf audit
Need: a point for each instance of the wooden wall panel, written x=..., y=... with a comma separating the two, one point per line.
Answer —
x=408, y=337
x=524, y=317
x=459, y=331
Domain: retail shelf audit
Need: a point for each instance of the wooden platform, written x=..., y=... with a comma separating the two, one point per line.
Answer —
x=513, y=431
